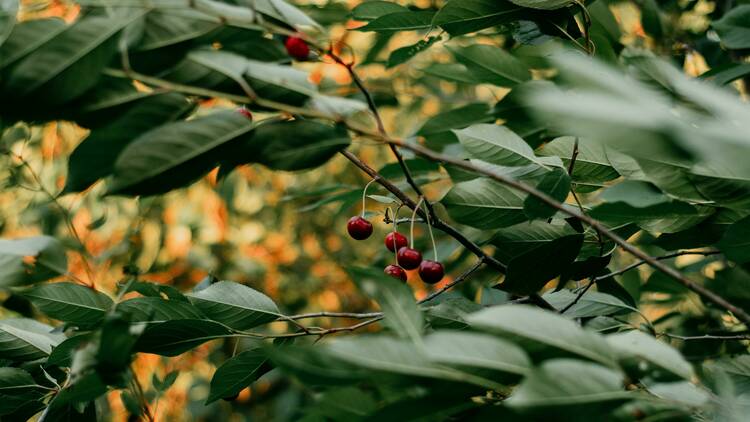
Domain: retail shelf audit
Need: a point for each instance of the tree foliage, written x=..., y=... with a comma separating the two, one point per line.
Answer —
x=587, y=184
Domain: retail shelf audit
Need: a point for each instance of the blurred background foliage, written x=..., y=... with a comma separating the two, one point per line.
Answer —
x=282, y=233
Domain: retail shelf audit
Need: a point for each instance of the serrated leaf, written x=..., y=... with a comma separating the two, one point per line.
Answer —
x=70, y=302
x=400, y=21
x=465, y=349
x=50, y=75
x=639, y=345
x=16, y=381
x=591, y=304
x=172, y=338
x=543, y=4
x=733, y=27
x=736, y=241
x=175, y=154
x=96, y=155
x=155, y=309
x=395, y=299
x=375, y=9
x=235, y=305
x=492, y=65
x=484, y=204
x=404, y=54
x=237, y=373
x=542, y=333
x=497, y=145
x=556, y=184
x=460, y=17
x=567, y=382
x=30, y=260
x=26, y=339
x=525, y=274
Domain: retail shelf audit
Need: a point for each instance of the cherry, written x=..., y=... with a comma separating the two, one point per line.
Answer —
x=297, y=48
x=396, y=272
x=395, y=241
x=245, y=112
x=431, y=272
x=408, y=258
x=359, y=228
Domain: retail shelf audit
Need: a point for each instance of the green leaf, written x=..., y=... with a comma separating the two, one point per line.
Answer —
x=8, y=11
x=395, y=299
x=172, y=338
x=567, y=382
x=450, y=311
x=525, y=273
x=51, y=74
x=62, y=354
x=95, y=156
x=634, y=193
x=168, y=381
x=555, y=184
x=400, y=21
x=70, y=302
x=30, y=260
x=736, y=241
x=155, y=309
x=16, y=381
x=592, y=168
x=237, y=373
x=650, y=351
x=163, y=27
x=404, y=54
x=722, y=75
x=235, y=305
x=734, y=27
x=299, y=144
x=457, y=118
x=542, y=332
x=387, y=355
x=453, y=72
x=460, y=17
x=489, y=64
x=591, y=304
x=737, y=369
x=465, y=349
x=175, y=154
x=375, y=9
x=497, y=145
x=543, y=4
x=26, y=339
x=484, y=204
x=27, y=37
x=524, y=238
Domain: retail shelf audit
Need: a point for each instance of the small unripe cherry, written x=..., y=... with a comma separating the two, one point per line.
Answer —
x=245, y=112
x=431, y=272
x=408, y=258
x=359, y=228
x=396, y=272
x=297, y=48
x=395, y=241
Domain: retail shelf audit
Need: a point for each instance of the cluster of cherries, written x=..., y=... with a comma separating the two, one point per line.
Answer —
x=407, y=258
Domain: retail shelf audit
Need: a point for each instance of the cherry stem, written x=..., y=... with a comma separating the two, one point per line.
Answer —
x=432, y=237
x=414, y=217
x=364, y=196
x=395, y=230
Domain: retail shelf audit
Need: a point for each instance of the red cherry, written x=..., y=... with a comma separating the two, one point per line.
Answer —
x=396, y=272
x=408, y=258
x=359, y=228
x=297, y=48
x=431, y=272
x=245, y=112
x=395, y=241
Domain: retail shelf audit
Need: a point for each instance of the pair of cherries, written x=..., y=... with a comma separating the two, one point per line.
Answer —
x=407, y=258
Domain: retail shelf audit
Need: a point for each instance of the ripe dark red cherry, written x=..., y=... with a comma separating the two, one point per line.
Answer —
x=395, y=241
x=297, y=48
x=359, y=228
x=431, y=272
x=396, y=272
x=245, y=112
x=408, y=258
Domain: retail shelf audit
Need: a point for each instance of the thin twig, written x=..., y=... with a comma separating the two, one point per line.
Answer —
x=325, y=314
x=458, y=280
x=706, y=337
